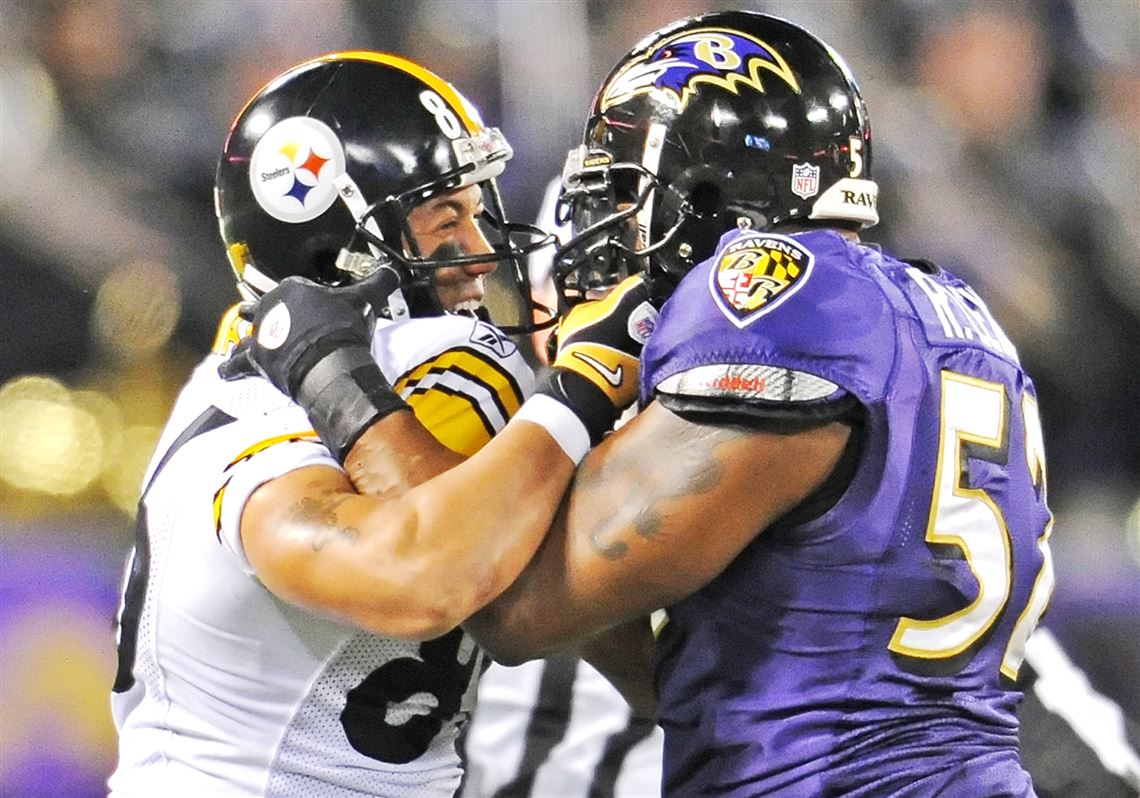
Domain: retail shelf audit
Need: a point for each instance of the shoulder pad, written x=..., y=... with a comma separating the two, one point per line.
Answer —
x=749, y=382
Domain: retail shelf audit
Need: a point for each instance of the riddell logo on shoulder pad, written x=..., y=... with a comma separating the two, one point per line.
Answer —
x=736, y=383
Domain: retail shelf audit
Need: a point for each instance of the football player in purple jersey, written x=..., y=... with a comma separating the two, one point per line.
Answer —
x=835, y=486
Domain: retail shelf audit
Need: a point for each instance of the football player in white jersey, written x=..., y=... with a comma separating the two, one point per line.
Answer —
x=266, y=648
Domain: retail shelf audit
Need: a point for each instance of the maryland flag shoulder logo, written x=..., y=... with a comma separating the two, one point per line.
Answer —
x=757, y=272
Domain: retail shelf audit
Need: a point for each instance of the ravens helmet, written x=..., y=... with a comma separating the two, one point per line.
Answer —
x=322, y=166
x=727, y=119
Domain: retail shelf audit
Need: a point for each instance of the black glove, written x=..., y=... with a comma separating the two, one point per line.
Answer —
x=595, y=354
x=313, y=342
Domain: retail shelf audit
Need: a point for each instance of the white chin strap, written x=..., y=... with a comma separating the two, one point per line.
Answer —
x=354, y=200
x=253, y=283
x=852, y=199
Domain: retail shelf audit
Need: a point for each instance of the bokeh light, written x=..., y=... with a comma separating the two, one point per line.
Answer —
x=48, y=443
x=59, y=442
x=136, y=309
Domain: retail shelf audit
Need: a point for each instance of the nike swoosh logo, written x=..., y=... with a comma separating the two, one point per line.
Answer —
x=612, y=376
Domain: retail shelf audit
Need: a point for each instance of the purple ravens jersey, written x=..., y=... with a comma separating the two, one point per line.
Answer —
x=869, y=651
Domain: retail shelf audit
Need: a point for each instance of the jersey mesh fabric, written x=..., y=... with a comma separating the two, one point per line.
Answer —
x=315, y=758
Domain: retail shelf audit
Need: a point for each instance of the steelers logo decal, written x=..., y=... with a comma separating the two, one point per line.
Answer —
x=756, y=273
x=293, y=167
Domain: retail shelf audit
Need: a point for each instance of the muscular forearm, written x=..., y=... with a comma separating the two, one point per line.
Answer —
x=653, y=515
x=477, y=521
x=424, y=546
x=566, y=595
x=396, y=454
x=590, y=573
x=578, y=583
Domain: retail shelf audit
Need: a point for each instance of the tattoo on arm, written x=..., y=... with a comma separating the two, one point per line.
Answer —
x=691, y=471
x=318, y=513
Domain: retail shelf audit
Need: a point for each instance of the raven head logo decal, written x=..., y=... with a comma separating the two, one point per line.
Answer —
x=677, y=65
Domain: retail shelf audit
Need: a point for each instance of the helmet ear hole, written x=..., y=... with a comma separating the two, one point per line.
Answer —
x=707, y=199
x=703, y=190
x=324, y=267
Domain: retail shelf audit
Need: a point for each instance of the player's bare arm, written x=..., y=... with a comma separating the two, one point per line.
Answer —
x=655, y=513
x=465, y=533
x=389, y=556
x=408, y=563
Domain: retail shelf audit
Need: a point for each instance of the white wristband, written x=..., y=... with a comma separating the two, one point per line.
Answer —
x=559, y=421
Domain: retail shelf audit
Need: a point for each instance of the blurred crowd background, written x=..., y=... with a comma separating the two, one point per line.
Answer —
x=1007, y=148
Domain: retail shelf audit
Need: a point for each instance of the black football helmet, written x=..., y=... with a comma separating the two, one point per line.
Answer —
x=727, y=119
x=320, y=169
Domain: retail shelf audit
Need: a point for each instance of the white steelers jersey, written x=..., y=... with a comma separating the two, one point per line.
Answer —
x=225, y=690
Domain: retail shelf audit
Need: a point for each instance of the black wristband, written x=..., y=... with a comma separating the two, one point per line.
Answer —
x=344, y=394
x=586, y=400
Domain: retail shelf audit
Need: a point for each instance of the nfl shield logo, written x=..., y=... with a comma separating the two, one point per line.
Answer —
x=805, y=180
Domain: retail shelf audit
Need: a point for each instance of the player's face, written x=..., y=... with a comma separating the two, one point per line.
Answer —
x=452, y=219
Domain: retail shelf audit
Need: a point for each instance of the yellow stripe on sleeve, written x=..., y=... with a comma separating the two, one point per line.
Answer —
x=445, y=395
x=218, y=508
x=261, y=446
x=248, y=452
x=452, y=420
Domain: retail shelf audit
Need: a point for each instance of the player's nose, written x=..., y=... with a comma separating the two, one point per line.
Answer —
x=474, y=242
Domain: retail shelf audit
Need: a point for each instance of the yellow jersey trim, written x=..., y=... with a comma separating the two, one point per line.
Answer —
x=248, y=452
